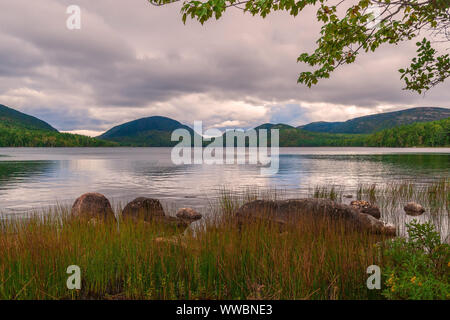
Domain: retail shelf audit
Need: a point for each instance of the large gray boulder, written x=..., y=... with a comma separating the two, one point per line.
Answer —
x=92, y=205
x=286, y=211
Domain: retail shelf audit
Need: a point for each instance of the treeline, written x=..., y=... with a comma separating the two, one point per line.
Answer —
x=423, y=134
x=19, y=137
x=426, y=134
x=301, y=138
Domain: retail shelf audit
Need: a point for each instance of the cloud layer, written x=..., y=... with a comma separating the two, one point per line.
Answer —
x=132, y=60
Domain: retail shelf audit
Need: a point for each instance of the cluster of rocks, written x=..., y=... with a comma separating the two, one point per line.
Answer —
x=359, y=213
x=366, y=207
x=96, y=206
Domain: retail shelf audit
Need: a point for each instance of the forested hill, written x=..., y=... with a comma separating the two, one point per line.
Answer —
x=378, y=122
x=15, y=119
x=155, y=131
x=422, y=134
x=427, y=134
x=21, y=130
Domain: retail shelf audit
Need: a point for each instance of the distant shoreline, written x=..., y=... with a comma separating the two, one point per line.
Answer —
x=140, y=147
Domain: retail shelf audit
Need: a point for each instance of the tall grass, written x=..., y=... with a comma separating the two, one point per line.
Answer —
x=315, y=259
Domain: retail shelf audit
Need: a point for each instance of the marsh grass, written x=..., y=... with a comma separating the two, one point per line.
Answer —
x=315, y=259
x=392, y=197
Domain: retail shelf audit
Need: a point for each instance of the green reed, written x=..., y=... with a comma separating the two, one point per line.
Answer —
x=392, y=197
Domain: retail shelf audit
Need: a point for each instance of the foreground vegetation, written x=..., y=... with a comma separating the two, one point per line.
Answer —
x=315, y=259
x=417, y=267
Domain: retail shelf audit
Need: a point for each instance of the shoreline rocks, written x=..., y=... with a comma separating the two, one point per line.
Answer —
x=151, y=211
x=366, y=207
x=145, y=208
x=92, y=206
x=361, y=214
x=286, y=211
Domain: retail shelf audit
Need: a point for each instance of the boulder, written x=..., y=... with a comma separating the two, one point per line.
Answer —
x=145, y=208
x=374, y=225
x=188, y=214
x=367, y=208
x=413, y=209
x=92, y=205
x=286, y=211
x=151, y=211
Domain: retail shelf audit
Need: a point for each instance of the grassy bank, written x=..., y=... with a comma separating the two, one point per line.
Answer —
x=315, y=259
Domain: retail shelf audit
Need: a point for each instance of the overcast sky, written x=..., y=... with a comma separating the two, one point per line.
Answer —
x=133, y=60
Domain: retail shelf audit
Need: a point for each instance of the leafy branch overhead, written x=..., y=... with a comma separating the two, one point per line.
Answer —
x=352, y=27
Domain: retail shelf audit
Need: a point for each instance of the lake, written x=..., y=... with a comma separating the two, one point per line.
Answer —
x=36, y=178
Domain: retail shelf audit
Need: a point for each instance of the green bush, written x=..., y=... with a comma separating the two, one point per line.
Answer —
x=417, y=267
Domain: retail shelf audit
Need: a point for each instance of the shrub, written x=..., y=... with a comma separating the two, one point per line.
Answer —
x=417, y=267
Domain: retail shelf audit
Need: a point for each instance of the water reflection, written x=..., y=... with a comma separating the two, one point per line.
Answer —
x=34, y=178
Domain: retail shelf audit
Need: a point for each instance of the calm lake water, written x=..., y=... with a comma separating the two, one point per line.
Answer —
x=33, y=178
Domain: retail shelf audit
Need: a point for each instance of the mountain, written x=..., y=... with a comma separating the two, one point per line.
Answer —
x=153, y=131
x=13, y=118
x=21, y=130
x=18, y=129
x=377, y=122
x=156, y=131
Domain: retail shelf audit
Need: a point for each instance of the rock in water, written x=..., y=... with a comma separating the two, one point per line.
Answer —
x=188, y=214
x=367, y=208
x=414, y=209
x=92, y=205
x=145, y=208
x=286, y=211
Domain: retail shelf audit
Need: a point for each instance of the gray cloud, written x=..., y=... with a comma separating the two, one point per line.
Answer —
x=132, y=60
